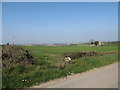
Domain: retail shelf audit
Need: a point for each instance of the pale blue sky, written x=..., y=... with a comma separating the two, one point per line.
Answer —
x=59, y=22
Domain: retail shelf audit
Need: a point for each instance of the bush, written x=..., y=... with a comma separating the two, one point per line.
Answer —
x=74, y=55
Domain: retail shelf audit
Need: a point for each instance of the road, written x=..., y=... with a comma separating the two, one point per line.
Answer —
x=104, y=77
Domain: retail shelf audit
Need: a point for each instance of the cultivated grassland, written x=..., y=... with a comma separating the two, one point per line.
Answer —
x=49, y=56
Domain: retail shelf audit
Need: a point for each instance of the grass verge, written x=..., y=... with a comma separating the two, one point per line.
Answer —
x=43, y=70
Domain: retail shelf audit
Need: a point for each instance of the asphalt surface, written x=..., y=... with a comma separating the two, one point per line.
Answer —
x=104, y=77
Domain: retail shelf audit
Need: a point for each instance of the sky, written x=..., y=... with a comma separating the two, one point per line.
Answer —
x=60, y=22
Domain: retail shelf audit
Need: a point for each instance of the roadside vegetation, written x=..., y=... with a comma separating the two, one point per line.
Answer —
x=49, y=60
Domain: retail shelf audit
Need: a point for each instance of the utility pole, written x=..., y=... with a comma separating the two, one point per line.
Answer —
x=14, y=40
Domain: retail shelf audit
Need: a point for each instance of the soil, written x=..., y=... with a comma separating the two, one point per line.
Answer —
x=16, y=55
x=74, y=55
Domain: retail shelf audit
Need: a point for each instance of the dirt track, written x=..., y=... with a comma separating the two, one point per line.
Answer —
x=104, y=77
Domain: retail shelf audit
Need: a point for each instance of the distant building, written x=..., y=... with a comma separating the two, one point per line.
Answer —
x=28, y=45
x=97, y=43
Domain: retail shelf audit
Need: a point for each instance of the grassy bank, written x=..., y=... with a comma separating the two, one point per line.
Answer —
x=47, y=58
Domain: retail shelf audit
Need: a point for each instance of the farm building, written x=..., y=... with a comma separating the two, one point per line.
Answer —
x=97, y=43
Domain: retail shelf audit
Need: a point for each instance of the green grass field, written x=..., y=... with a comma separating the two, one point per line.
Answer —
x=47, y=57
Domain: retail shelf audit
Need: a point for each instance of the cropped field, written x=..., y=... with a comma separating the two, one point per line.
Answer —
x=48, y=57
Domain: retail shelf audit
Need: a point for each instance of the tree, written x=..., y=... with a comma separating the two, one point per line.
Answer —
x=7, y=43
x=91, y=41
x=96, y=43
